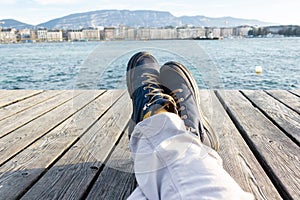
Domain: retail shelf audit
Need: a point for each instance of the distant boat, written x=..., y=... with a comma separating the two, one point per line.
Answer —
x=201, y=38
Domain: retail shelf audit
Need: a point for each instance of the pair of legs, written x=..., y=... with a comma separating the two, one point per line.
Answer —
x=166, y=135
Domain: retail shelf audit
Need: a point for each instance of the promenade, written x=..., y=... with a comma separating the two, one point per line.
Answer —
x=74, y=144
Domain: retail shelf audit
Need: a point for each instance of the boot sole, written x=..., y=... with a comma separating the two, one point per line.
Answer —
x=130, y=66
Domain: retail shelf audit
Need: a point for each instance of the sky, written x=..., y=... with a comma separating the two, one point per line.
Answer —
x=38, y=11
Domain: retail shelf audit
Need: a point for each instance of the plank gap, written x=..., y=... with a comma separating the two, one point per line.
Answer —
x=95, y=178
x=281, y=101
x=271, y=119
x=66, y=150
x=281, y=190
x=21, y=99
x=294, y=92
x=37, y=116
x=55, y=126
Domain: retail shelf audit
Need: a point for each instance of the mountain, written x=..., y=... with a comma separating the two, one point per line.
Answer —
x=142, y=18
x=139, y=18
x=11, y=23
x=220, y=22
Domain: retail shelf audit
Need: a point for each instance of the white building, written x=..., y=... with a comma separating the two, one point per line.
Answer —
x=109, y=33
x=226, y=32
x=163, y=34
x=41, y=34
x=91, y=34
x=243, y=30
x=189, y=33
x=75, y=35
x=54, y=36
x=143, y=34
x=8, y=35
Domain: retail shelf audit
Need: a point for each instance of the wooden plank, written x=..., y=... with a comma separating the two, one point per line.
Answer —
x=12, y=109
x=16, y=121
x=72, y=175
x=274, y=150
x=295, y=92
x=8, y=97
x=287, y=119
x=29, y=133
x=290, y=100
x=238, y=160
x=117, y=180
x=19, y=173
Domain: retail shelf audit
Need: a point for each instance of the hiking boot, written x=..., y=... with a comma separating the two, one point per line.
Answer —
x=144, y=89
x=178, y=82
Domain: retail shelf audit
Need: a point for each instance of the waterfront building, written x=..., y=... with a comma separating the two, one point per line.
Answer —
x=243, y=31
x=190, y=32
x=75, y=35
x=25, y=34
x=42, y=34
x=131, y=34
x=109, y=33
x=91, y=34
x=226, y=32
x=163, y=34
x=54, y=36
x=8, y=35
x=143, y=33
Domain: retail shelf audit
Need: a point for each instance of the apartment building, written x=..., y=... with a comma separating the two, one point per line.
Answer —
x=91, y=34
x=109, y=33
x=163, y=34
x=41, y=35
x=242, y=31
x=54, y=36
x=226, y=32
x=8, y=35
x=188, y=33
x=75, y=35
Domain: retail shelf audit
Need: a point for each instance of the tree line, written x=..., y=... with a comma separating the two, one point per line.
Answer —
x=279, y=30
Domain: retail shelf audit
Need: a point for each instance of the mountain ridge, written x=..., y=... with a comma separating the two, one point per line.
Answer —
x=138, y=18
x=12, y=23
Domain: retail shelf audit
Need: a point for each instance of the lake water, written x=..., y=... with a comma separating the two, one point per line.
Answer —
x=225, y=64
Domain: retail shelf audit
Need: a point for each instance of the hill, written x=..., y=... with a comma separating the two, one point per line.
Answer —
x=142, y=18
x=139, y=18
x=11, y=23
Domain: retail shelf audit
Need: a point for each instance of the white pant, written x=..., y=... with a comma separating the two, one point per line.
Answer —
x=170, y=163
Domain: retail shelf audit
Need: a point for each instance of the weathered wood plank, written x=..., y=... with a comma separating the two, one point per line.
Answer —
x=19, y=173
x=16, y=121
x=290, y=100
x=280, y=114
x=238, y=160
x=20, y=106
x=274, y=150
x=8, y=97
x=72, y=175
x=117, y=180
x=29, y=133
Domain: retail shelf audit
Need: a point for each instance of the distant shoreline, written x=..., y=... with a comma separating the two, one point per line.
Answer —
x=196, y=39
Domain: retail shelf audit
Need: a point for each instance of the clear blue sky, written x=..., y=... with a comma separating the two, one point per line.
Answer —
x=38, y=11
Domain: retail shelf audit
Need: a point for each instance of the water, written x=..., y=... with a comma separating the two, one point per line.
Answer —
x=228, y=64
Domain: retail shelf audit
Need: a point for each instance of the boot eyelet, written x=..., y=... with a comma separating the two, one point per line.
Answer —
x=184, y=117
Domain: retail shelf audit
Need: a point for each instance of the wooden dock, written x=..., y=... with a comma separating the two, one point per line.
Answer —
x=74, y=144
